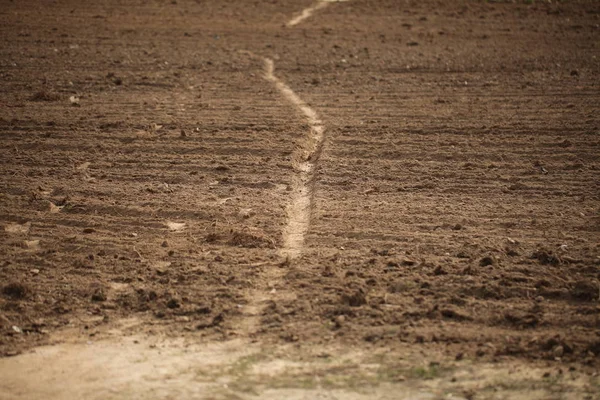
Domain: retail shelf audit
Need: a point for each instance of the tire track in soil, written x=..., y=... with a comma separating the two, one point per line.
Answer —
x=298, y=210
x=307, y=12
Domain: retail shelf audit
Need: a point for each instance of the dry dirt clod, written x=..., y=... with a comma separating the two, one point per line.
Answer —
x=486, y=261
x=15, y=291
x=408, y=262
x=18, y=228
x=216, y=321
x=54, y=209
x=84, y=166
x=175, y=226
x=355, y=299
x=439, y=271
x=173, y=303
x=44, y=95
x=546, y=257
x=74, y=101
x=585, y=290
x=558, y=351
x=31, y=244
x=98, y=296
x=246, y=213
x=161, y=267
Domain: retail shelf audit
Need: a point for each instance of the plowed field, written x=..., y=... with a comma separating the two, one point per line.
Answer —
x=380, y=180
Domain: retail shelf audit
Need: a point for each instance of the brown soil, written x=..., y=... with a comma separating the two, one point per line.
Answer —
x=148, y=167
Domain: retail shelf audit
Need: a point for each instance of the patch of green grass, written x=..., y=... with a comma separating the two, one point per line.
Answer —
x=243, y=365
x=391, y=374
x=295, y=381
x=429, y=372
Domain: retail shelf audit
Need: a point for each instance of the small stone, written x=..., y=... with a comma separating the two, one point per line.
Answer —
x=164, y=244
x=339, y=321
x=558, y=351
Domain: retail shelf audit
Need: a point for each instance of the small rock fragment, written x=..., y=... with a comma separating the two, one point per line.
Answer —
x=558, y=351
x=83, y=166
x=175, y=226
x=18, y=228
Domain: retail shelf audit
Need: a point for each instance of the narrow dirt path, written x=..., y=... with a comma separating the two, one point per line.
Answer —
x=307, y=12
x=304, y=161
x=298, y=211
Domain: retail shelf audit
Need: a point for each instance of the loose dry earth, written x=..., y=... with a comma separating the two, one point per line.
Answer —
x=220, y=199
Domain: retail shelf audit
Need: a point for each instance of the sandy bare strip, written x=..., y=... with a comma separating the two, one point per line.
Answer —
x=307, y=12
x=305, y=158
